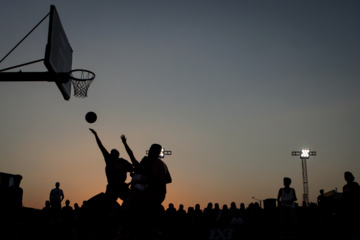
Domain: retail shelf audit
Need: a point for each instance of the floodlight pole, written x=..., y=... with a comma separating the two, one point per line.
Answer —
x=163, y=152
x=304, y=154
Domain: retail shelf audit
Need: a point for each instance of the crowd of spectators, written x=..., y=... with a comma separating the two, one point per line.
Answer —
x=236, y=221
x=334, y=215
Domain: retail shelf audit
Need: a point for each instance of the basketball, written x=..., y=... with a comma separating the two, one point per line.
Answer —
x=90, y=117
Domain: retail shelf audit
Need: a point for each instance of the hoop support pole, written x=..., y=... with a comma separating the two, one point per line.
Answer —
x=21, y=65
x=26, y=77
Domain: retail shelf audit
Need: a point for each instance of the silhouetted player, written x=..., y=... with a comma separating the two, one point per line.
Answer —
x=116, y=172
x=155, y=171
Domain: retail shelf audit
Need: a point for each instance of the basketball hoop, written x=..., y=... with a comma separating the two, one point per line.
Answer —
x=81, y=80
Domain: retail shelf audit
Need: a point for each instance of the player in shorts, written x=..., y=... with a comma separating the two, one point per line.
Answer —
x=116, y=172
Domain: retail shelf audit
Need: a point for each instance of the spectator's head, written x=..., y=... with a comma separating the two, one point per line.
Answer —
x=349, y=177
x=287, y=181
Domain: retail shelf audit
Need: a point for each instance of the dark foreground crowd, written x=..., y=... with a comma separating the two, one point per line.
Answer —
x=328, y=218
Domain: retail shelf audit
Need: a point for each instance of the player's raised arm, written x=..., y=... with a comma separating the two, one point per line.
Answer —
x=130, y=152
x=98, y=141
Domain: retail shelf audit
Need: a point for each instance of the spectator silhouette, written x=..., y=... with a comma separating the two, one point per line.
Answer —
x=323, y=207
x=15, y=194
x=286, y=198
x=350, y=205
x=67, y=211
x=190, y=216
x=256, y=213
x=56, y=197
x=198, y=216
x=76, y=209
x=181, y=211
x=209, y=214
x=224, y=216
x=171, y=217
x=198, y=209
x=286, y=201
x=11, y=209
x=351, y=192
x=116, y=170
x=209, y=209
x=233, y=209
x=242, y=212
x=181, y=215
x=217, y=210
x=47, y=213
x=47, y=208
x=170, y=213
x=321, y=198
x=250, y=214
x=67, y=219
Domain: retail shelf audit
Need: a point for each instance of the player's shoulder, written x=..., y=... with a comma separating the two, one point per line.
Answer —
x=159, y=161
x=124, y=160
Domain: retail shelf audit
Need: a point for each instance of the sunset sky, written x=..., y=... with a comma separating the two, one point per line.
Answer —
x=230, y=87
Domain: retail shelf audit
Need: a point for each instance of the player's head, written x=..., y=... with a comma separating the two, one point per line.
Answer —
x=115, y=153
x=57, y=184
x=155, y=150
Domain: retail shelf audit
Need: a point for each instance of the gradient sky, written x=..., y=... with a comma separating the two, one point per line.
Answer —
x=231, y=87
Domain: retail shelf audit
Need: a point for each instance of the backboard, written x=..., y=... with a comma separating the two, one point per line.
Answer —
x=58, y=54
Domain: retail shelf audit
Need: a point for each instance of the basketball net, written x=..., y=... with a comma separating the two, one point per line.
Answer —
x=81, y=80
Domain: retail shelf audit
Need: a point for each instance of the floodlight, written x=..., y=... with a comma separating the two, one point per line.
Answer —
x=162, y=153
x=305, y=154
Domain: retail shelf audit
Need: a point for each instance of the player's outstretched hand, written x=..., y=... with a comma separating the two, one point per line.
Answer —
x=93, y=131
x=123, y=138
